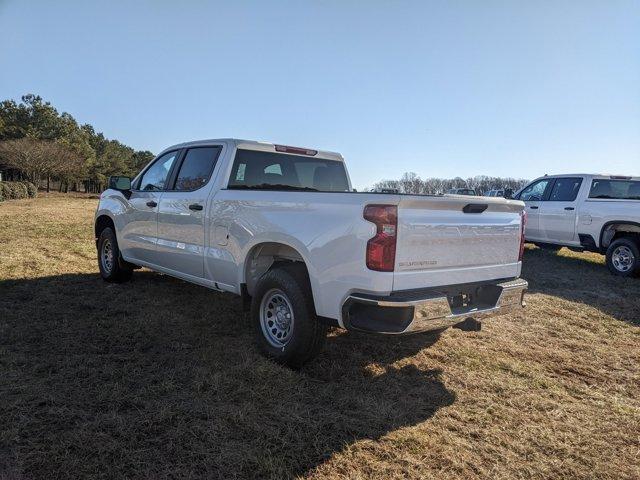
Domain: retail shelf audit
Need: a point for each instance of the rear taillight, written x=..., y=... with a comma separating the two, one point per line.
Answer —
x=523, y=223
x=381, y=249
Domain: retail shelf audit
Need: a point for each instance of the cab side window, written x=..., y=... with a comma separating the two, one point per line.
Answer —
x=565, y=189
x=156, y=176
x=535, y=191
x=196, y=168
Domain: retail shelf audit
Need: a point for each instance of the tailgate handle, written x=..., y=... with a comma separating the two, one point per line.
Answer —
x=475, y=207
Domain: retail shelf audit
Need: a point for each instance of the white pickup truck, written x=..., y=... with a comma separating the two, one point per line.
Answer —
x=282, y=227
x=598, y=213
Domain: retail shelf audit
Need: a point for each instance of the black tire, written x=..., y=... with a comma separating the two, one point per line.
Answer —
x=115, y=270
x=287, y=288
x=623, y=257
x=549, y=247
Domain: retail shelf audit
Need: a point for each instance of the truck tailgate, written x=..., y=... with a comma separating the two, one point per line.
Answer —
x=441, y=244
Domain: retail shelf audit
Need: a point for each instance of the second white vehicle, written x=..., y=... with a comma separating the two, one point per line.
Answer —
x=597, y=213
x=282, y=227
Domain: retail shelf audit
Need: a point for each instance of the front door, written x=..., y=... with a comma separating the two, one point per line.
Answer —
x=533, y=197
x=139, y=233
x=558, y=213
x=183, y=210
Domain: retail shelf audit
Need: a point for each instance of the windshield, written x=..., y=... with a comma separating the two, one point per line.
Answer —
x=258, y=170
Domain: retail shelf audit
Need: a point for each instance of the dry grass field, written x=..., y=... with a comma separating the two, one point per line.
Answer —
x=159, y=379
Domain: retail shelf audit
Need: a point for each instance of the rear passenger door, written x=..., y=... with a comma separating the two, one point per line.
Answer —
x=558, y=212
x=182, y=211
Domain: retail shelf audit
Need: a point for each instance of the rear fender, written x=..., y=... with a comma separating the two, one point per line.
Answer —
x=610, y=229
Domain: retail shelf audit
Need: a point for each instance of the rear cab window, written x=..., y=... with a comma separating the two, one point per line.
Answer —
x=258, y=170
x=614, y=189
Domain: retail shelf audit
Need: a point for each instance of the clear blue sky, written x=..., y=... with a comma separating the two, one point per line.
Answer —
x=510, y=88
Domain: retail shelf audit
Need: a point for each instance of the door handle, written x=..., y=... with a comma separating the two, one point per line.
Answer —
x=195, y=206
x=569, y=208
x=533, y=207
x=152, y=204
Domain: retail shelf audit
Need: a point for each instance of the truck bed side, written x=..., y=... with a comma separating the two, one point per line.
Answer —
x=329, y=233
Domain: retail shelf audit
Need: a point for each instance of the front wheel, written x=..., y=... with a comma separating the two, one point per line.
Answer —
x=112, y=269
x=623, y=257
x=284, y=318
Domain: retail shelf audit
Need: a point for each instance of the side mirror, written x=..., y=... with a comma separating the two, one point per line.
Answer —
x=122, y=184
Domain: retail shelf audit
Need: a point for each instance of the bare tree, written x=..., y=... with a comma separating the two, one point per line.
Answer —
x=411, y=183
x=38, y=159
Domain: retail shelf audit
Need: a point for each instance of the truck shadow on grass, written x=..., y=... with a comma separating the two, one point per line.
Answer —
x=582, y=278
x=160, y=379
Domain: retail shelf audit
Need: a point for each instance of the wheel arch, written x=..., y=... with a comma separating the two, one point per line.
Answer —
x=103, y=221
x=611, y=228
x=264, y=255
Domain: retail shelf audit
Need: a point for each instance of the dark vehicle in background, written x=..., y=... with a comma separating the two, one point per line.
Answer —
x=461, y=191
x=503, y=193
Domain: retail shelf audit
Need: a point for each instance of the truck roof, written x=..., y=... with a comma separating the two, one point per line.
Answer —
x=256, y=145
x=598, y=175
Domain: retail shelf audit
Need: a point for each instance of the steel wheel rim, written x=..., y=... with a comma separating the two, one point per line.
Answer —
x=106, y=256
x=623, y=258
x=276, y=318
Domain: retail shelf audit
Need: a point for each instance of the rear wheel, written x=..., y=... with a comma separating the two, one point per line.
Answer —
x=112, y=268
x=623, y=257
x=285, y=322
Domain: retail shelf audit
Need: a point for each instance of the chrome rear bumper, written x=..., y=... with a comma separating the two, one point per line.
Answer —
x=432, y=309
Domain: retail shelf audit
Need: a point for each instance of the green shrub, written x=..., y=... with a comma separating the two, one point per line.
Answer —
x=32, y=190
x=13, y=190
x=5, y=190
x=22, y=188
x=18, y=190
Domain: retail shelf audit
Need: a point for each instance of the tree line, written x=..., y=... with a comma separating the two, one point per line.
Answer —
x=410, y=182
x=39, y=144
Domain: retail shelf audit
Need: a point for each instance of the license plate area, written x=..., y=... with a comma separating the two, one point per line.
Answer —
x=477, y=298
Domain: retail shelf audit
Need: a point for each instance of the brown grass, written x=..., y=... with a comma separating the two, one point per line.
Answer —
x=159, y=379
